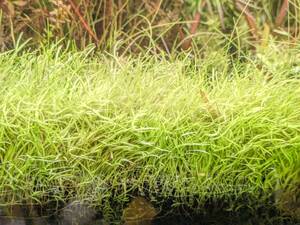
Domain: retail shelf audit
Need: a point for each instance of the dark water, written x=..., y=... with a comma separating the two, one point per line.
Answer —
x=79, y=214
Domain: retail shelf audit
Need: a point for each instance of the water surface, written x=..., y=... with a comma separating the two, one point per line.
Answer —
x=79, y=214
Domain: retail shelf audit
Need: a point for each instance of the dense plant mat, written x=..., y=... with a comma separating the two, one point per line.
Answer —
x=101, y=127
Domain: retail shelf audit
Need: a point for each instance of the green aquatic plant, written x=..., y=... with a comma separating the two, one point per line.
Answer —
x=98, y=128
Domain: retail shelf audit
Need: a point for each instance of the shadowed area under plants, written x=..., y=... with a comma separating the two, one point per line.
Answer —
x=140, y=211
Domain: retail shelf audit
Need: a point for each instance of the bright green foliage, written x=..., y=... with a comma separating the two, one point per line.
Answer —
x=93, y=125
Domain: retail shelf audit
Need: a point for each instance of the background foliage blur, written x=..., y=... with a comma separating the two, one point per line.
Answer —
x=136, y=24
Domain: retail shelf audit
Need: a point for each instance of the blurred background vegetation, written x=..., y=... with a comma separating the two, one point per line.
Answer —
x=135, y=25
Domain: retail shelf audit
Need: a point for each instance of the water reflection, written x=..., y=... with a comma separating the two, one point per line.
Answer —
x=76, y=213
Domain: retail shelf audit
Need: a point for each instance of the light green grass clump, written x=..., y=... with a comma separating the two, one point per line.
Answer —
x=101, y=126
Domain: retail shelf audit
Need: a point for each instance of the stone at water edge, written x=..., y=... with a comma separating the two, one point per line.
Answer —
x=139, y=212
